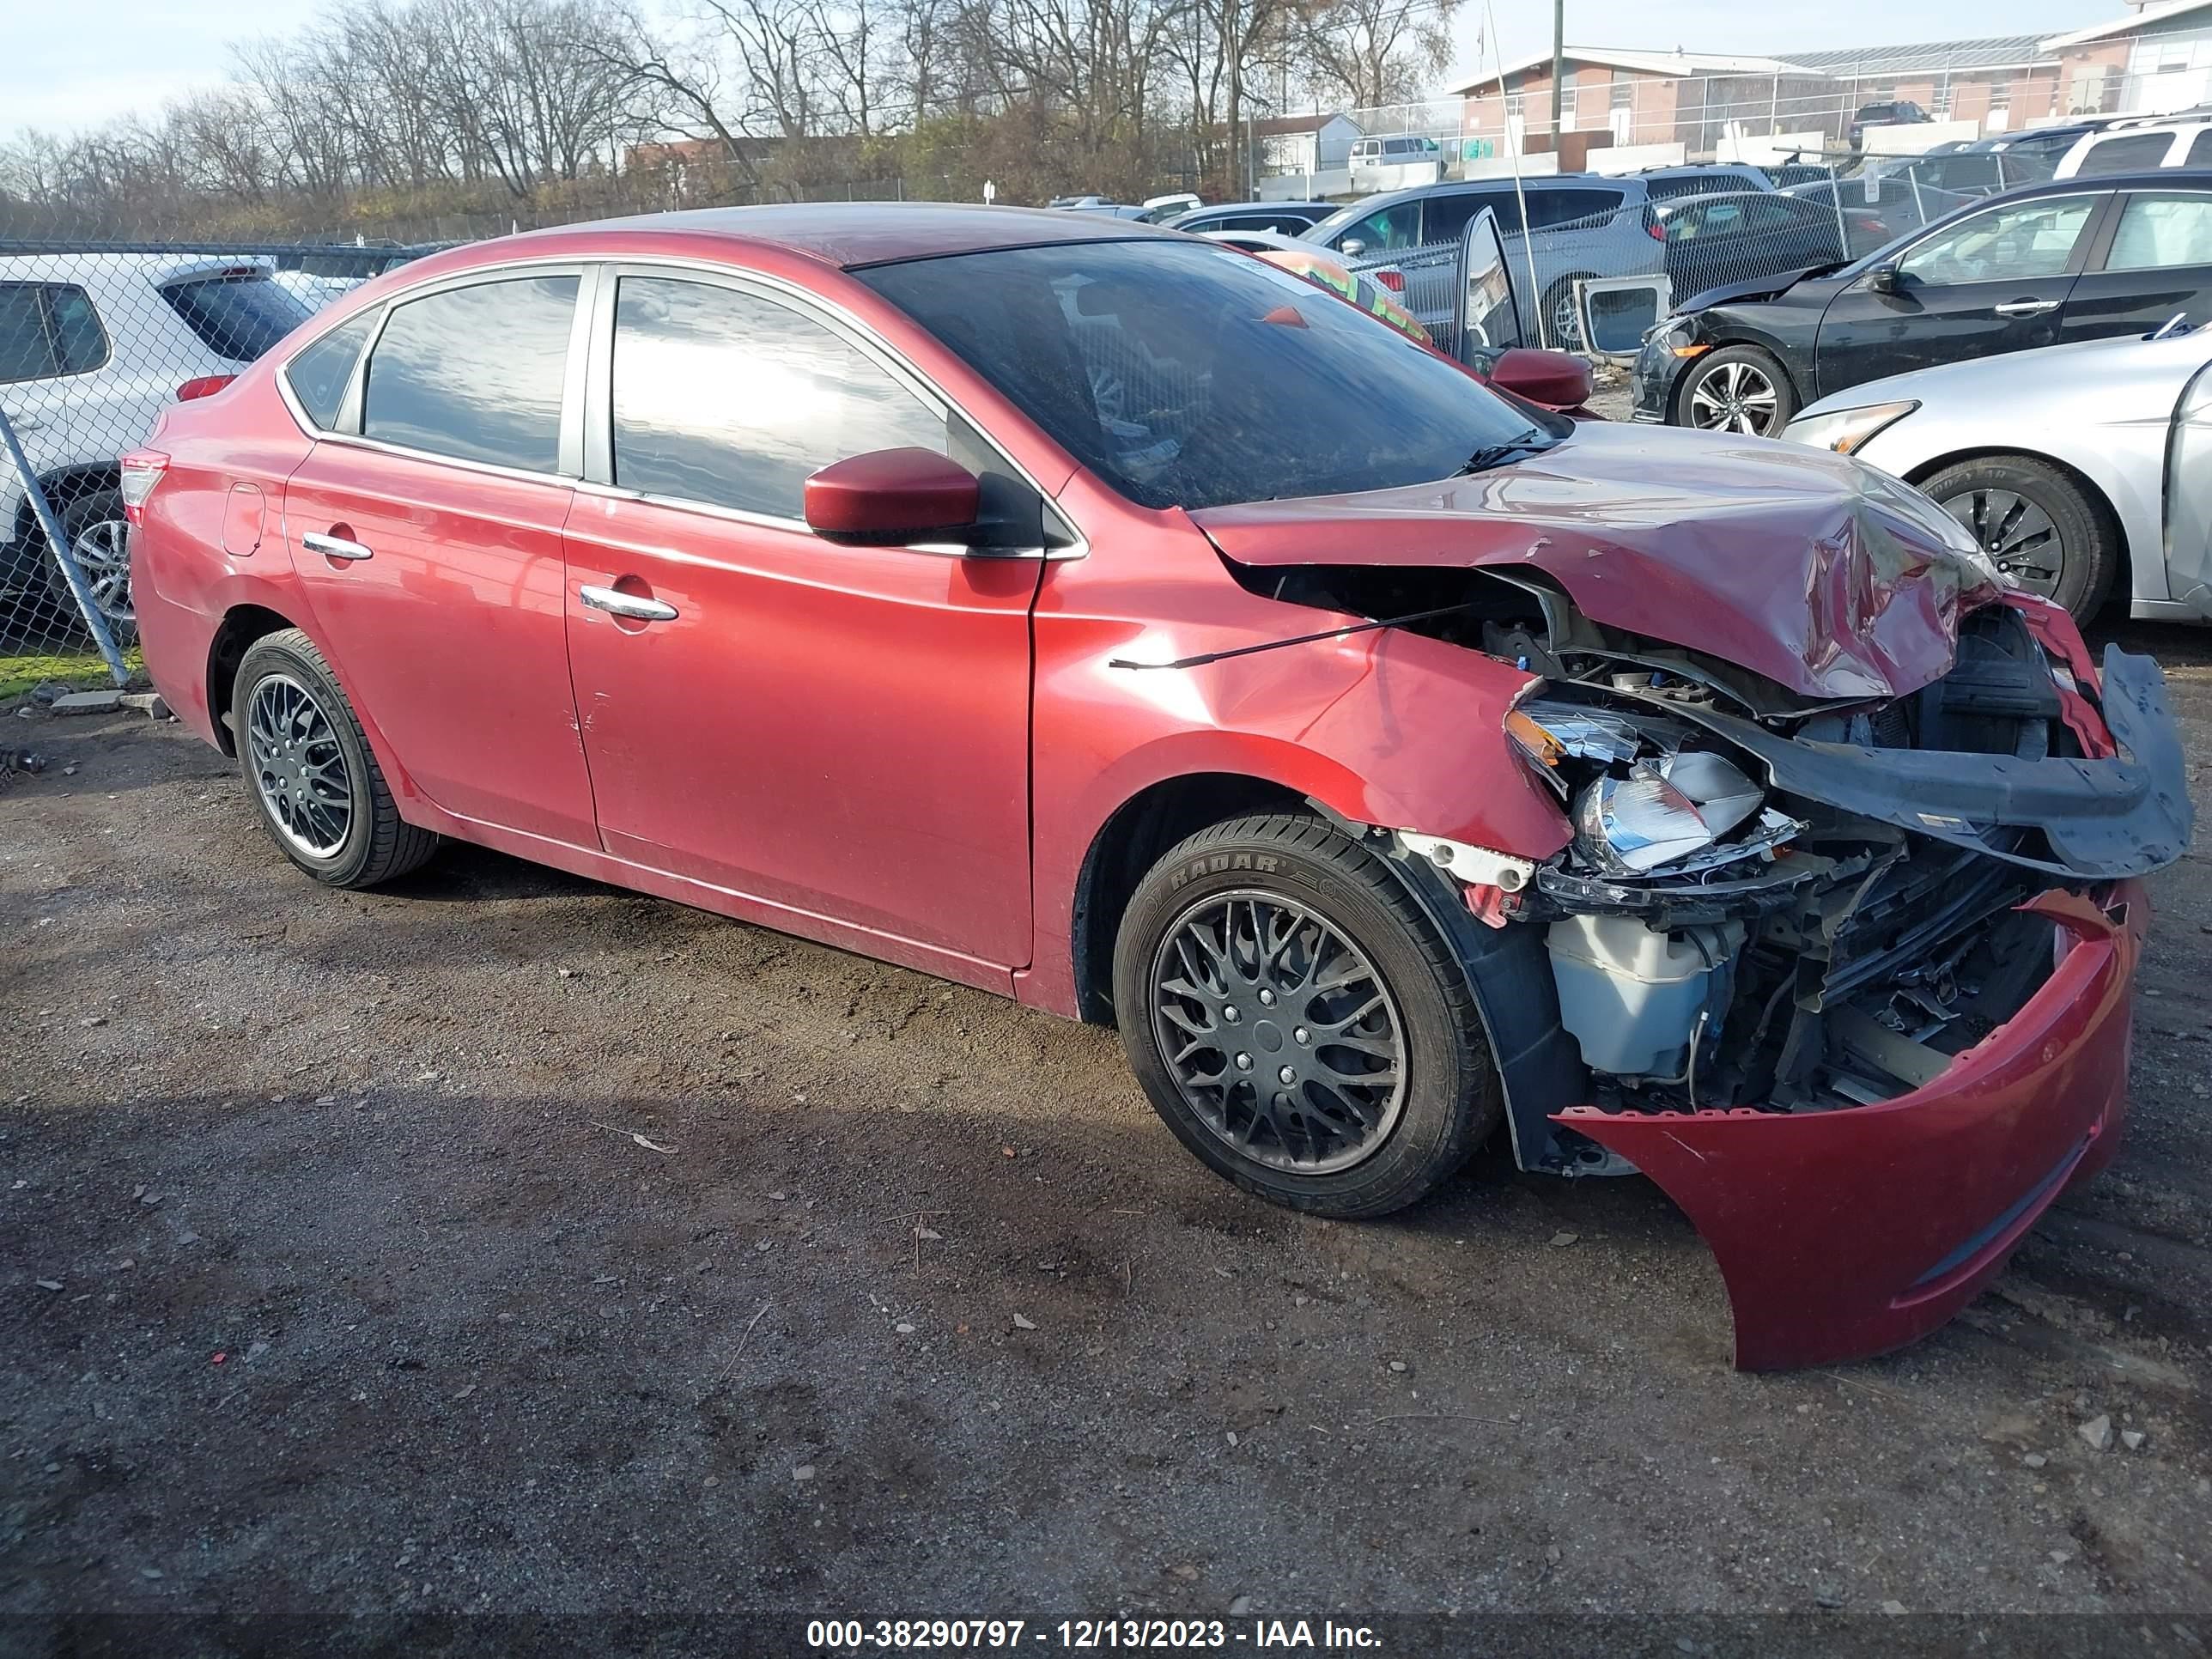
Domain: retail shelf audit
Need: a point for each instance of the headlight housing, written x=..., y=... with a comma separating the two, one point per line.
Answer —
x=1640, y=803
x=1661, y=812
x=1847, y=431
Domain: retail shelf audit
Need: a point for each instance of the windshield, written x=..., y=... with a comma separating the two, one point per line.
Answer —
x=1189, y=375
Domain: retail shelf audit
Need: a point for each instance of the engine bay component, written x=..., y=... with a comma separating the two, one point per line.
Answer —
x=1637, y=999
x=1479, y=867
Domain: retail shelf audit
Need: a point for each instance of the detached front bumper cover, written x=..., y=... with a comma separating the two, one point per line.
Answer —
x=1847, y=1233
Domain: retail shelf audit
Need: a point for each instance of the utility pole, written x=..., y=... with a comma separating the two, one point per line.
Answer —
x=1558, y=64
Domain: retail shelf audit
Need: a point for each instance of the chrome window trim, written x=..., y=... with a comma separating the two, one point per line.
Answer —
x=595, y=398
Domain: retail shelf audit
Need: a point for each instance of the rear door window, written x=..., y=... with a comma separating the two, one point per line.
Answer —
x=2128, y=152
x=731, y=398
x=2158, y=233
x=26, y=354
x=2200, y=149
x=238, y=314
x=48, y=329
x=1550, y=206
x=79, y=343
x=475, y=372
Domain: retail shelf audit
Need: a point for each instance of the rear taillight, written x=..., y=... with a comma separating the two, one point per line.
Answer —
x=205, y=387
x=1874, y=225
x=1655, y=230
x=142, y=469
x=1391, y=277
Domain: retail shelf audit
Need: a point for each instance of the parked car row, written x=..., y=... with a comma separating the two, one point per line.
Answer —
x=995, y=593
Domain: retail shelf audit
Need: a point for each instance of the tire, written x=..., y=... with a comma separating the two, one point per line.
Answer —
x=1563, y=329
x=1748, y=392
x=98, y=533
x=2053, y=509
x=1342, y=1149
x=309, y=770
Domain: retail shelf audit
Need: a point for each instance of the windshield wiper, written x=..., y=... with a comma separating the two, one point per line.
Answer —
x=1489, y=455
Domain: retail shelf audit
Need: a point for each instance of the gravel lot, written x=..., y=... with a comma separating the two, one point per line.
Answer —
x=503, y=1243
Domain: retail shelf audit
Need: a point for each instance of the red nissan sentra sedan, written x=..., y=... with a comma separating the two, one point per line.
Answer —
x=1102, y=617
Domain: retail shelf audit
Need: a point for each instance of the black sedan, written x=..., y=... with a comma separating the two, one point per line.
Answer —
x=2075, y=260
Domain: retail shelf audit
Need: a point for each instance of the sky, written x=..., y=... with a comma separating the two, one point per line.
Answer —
x=67, y=67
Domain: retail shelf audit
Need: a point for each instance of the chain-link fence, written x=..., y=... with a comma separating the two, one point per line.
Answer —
x=95, y=339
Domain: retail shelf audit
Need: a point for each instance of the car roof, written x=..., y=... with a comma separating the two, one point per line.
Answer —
x=1675, y=204
x=1534, y=181
x=1261, y=207
x=849, y=234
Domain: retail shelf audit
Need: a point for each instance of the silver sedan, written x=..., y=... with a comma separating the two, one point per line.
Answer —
x=2084, y=471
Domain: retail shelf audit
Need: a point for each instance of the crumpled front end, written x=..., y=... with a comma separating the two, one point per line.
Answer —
x=1851, y=982
x=1847, y=977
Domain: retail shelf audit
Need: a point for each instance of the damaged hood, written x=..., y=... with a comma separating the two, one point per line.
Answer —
x=1811, y=569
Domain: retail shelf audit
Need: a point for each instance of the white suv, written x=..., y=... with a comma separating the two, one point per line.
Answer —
x=2138, y=147
x=92, y=345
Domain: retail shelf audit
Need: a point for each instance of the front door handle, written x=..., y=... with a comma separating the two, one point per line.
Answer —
x=616, y=603
x=335, y=547
x=2027, y=307
x=24, y=422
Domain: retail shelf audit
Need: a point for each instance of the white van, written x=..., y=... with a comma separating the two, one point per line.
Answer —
x=2138, y=148
x=1396, y=163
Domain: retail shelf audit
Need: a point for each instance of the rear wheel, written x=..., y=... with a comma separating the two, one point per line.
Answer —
x=2036, y=523
x=1296, y=1020
x=1737, y=389
x=1565, y=324
x=309, y=770
x=98, y=540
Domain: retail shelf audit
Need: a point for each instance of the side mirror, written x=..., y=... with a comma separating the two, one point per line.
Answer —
x=892, y=498
x=1550, y=378
x=1882, y=279
x=1351, y=247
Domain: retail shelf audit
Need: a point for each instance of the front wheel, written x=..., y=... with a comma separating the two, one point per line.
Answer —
x=1298, y=1022
x=1737, y=389
x=2036, y=525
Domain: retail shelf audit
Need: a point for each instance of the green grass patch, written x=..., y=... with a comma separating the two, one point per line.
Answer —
x=85, y=671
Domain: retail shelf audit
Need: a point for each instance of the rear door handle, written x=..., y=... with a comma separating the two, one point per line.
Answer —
x=616, y=603
x=2027, y=307
x=335, y=547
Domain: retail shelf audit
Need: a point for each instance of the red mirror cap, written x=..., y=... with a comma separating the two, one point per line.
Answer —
x=889, y=496
x=1550, y=378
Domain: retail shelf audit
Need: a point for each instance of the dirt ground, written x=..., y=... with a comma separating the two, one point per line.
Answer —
x=504, y=1244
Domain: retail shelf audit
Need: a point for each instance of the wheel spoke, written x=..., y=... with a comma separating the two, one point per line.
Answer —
x=1278, y=1032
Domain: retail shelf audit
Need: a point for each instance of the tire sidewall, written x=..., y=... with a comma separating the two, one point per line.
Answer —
x=273, y=656
x=1443, y=1060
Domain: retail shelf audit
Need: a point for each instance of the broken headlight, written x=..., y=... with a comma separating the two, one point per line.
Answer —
x=1641, y=802
x=1662, y=811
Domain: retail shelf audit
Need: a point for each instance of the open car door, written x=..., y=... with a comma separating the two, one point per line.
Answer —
x=1485, y=314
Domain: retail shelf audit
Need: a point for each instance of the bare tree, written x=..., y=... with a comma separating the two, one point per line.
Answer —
x=1362, y=53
